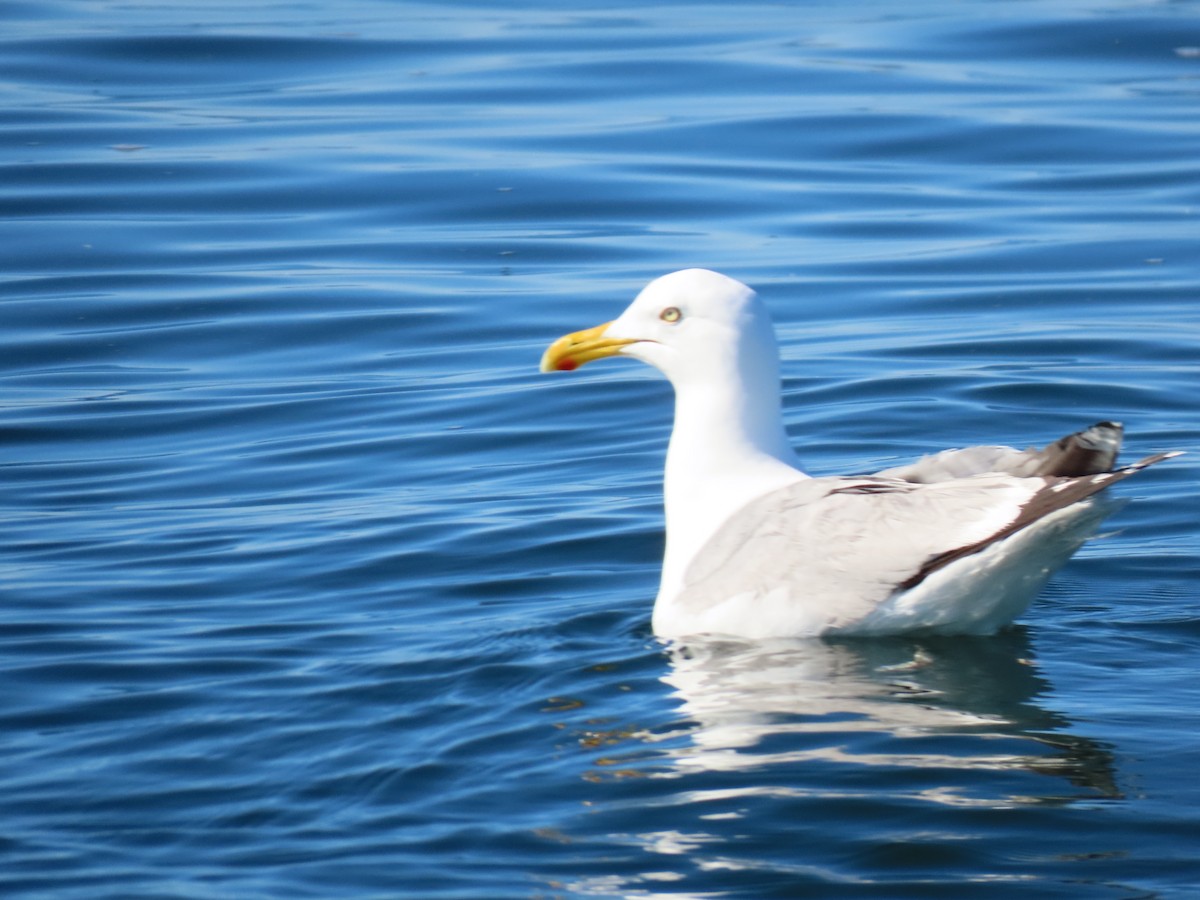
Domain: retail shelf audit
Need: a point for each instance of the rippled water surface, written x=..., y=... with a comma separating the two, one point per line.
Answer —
x=313, y=587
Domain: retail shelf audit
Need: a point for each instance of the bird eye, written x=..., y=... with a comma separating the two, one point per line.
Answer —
x=671, y=314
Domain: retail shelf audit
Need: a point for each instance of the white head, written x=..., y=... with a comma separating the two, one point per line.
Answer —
x=698, y=327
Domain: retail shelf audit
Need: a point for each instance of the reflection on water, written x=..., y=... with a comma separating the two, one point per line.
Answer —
x=756, y=705
x=886, y=763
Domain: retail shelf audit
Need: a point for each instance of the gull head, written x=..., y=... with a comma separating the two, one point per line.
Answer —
x=696, y=326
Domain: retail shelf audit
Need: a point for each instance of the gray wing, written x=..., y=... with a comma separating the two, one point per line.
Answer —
x=1088, y=452
x=851, y=543
x=848, y=543
x=953, y=464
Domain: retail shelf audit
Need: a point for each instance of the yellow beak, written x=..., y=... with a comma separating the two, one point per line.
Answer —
x=573, y=350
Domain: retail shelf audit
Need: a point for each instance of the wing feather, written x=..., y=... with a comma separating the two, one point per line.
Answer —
x=846, y=543
x=850, y=544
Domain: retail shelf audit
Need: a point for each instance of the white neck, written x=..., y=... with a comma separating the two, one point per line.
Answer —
x=728, y=446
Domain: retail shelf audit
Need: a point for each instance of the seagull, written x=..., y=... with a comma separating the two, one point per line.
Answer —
x=959, y=542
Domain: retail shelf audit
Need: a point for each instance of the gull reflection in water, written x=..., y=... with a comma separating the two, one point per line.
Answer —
x=811, y=762
x=821, y=763
x=755, y=705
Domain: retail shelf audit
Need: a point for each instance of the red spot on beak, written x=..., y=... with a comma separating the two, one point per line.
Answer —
x=567, y=365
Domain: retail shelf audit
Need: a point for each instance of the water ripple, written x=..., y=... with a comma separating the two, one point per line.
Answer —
x=313, y=586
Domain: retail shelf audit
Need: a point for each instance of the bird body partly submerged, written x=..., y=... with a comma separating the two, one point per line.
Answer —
x=959, y=542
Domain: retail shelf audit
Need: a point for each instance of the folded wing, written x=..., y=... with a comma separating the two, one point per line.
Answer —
x=851, y=544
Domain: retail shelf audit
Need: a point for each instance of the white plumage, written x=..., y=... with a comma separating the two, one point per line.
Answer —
x=959, y=542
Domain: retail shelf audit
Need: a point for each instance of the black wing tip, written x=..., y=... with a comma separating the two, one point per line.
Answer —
x=1088, y=452
x=1101, y=480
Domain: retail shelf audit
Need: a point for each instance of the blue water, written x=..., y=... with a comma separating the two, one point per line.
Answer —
x=313, y=587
